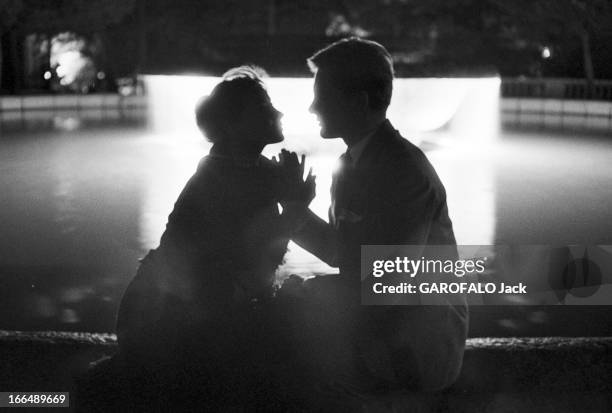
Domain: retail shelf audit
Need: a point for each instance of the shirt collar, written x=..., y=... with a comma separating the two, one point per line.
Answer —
x=355, y=151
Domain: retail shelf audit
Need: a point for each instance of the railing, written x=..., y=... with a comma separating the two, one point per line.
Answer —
x=556, y=89
x=69, y=102
x=556, y=114
x=566, y=104
x=41, y=112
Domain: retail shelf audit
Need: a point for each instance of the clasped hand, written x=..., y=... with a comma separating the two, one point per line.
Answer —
x=295, y=188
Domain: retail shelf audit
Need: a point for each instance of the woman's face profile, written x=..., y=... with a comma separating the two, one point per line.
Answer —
x=260, y=120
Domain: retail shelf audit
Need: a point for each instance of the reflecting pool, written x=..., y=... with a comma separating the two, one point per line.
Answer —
x=80, y=204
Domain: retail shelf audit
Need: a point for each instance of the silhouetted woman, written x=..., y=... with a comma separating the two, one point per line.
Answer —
x=190, y=321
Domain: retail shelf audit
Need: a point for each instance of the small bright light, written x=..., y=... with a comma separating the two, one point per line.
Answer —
x=101, y=75
x=47, y=75
x=546, y=54
x=66, y=123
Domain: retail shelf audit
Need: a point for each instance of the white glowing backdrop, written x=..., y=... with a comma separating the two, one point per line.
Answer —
x=455, y=121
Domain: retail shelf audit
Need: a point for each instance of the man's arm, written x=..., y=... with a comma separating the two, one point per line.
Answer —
x=308, y=230
x=314, y=234
x=401, y=211
x=410, y=209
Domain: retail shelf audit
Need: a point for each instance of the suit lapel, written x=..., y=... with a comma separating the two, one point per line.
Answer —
x=351, y=184
x=371, y=153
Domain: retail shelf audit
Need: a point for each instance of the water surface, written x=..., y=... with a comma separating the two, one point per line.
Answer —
x=80, y=205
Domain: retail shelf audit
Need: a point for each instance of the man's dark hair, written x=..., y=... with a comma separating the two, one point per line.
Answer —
x=358, y=65
x=228, y=99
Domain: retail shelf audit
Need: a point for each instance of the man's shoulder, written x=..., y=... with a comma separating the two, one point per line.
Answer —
x=396, y=151
x=397, y=157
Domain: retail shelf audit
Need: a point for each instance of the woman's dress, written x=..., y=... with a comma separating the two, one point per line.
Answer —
x=196, y=299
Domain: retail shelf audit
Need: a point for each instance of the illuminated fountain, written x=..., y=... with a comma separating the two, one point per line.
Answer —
x=455, y=121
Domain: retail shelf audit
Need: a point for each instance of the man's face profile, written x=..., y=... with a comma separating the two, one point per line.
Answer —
x=332, y=107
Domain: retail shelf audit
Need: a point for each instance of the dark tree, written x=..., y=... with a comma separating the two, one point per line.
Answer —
x=545, y=19
x=19, y=18
x=72, y=15
x=9, y=13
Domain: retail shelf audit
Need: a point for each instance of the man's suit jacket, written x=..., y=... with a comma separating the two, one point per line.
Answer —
x=391, y=196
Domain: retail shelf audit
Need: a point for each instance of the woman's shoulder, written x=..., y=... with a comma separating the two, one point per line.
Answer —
x=210, y=170
x=218, y=175
x=204, y=186
x=269, y=168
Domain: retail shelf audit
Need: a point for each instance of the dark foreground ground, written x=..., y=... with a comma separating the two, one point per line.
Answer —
x=499, y=374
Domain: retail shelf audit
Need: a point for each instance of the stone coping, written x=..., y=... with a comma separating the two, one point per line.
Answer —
x=482, y=343
x=527, y=374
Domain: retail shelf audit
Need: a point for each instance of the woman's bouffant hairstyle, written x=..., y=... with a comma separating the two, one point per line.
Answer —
x=228, y=99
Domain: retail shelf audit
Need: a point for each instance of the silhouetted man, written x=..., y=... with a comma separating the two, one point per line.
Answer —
x=385, y=192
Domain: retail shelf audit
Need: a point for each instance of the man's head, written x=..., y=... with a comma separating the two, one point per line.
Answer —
x=353, y=86
x=239, y=109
